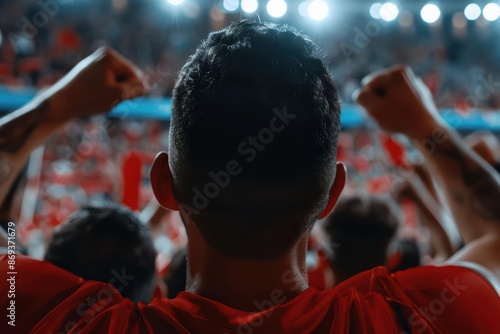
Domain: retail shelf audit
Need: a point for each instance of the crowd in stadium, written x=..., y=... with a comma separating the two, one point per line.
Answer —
x=448, y=58
x=248, y=221
x=252, y=170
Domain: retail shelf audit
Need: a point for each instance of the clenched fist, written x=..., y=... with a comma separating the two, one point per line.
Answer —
x=399, y=102
x=95, y=85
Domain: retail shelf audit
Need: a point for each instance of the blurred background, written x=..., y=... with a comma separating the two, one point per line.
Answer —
x=452, y=44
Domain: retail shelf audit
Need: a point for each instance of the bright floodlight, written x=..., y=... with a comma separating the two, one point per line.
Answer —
x=317, y=10
x=303, y=8
x=472, y=11
x=175, y=2
x=375, y=10
x=249, y=6
x=276, y=8
x=389, y=11
x=430, y=13
x=491, y=11
x=230, y=5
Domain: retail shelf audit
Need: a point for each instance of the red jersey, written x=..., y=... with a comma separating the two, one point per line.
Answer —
x=448, y=299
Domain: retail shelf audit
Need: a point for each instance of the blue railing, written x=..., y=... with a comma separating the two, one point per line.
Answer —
x=160, y=109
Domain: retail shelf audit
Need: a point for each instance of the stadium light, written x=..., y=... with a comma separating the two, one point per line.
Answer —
x=303, y=8
x=472, y=11
x=430, y=13
x=276, y=8
x=231, y=5
x=317, y=10
x=175, y=2
x=389, y=11
x=375, y=10
x=249, y=6
x=491, y=12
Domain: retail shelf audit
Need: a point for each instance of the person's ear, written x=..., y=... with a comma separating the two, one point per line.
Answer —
x=161, y=182
x=336, y=189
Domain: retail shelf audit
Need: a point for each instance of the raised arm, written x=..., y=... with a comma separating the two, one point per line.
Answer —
x=400, y=102
x=93, y=86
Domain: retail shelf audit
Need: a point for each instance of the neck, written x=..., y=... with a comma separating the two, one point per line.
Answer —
x=247, y=285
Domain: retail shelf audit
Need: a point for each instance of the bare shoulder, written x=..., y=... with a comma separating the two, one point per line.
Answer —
x=481, y=253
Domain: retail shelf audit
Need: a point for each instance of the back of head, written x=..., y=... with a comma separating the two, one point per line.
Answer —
x=107, y=244
x=360, y=231
x=253, y=138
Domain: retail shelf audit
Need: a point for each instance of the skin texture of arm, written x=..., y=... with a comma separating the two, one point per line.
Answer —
x=472, y=190
x=432, y=199
x=93, y=86
x=20, y=133
x=471, y=187
x=400, y=103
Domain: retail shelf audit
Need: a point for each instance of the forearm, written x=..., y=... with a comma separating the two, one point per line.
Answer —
x=470, y=186
x=92, y=87
x=440, y=239
x=442, y=231
x=430, y=203
x=20, y=133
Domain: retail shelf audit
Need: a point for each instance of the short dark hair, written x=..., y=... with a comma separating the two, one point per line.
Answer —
x=99, y=243
x=360, y=230
x=254, y=133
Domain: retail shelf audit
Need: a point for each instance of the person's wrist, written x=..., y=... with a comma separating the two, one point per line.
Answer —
x=430, y=134
x=424, y=127
x=58, y=110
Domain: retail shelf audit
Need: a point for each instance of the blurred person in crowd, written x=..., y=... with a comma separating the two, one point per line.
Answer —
x=248, y=238
x=106, y=243
x=407, y=256
x=362, y=234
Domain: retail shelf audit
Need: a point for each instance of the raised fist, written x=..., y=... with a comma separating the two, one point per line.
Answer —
x=399, y=102
x=95, y=85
